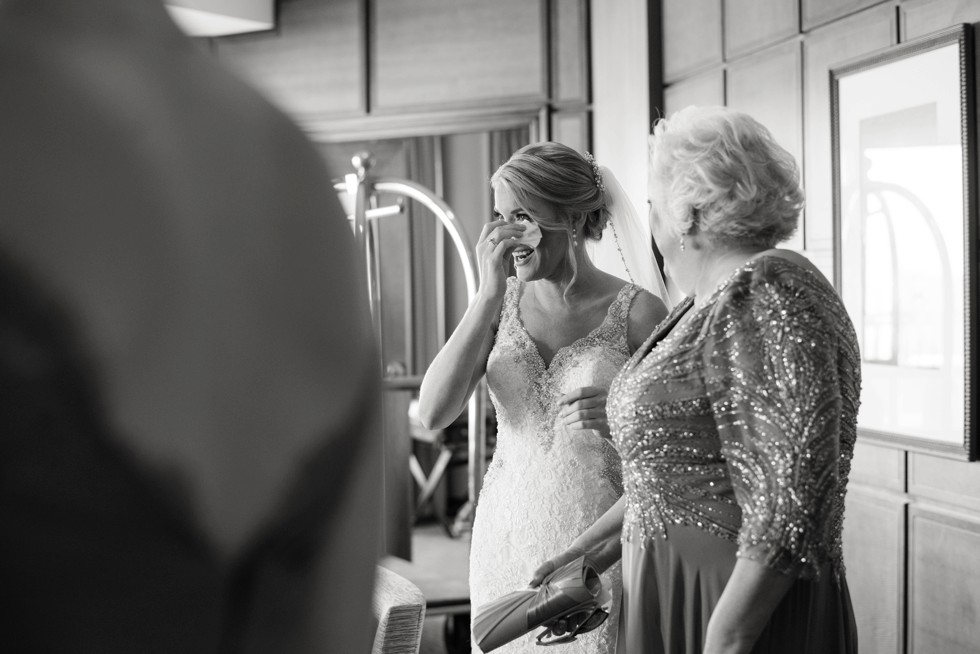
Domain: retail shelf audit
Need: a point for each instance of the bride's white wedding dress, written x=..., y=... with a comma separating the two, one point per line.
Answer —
x=546, y=484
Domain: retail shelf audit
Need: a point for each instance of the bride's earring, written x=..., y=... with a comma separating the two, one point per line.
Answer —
x=683, y=247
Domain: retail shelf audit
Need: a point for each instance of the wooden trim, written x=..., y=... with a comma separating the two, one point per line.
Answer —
x=948, y=574
x=330, y=129
x=814, y=13
x=879, y=562
x=759, y=39
x=579, y=38
x=955, y=483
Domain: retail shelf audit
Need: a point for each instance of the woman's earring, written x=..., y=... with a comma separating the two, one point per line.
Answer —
x=575, y=240
x=682, y=244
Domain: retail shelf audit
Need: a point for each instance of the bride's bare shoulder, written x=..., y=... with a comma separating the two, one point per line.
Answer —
x=646, y=313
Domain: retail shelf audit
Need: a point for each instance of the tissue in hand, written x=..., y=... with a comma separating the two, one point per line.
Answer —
x=531, y=236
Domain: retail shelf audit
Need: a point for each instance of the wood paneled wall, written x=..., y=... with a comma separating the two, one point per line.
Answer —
x=360, y=69
x=313, y=64
x=912, y=527
x=626, y=69
x=570, y=89
x=430, y=54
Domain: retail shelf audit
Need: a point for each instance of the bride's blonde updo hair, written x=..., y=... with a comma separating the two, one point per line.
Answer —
x=567, y=181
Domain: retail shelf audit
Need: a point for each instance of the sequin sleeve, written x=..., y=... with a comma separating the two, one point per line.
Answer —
x=772, y=380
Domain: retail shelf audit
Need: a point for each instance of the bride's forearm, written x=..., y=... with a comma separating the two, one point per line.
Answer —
x=602, y=541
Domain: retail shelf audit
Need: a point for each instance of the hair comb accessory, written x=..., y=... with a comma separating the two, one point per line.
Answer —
x=596, y=173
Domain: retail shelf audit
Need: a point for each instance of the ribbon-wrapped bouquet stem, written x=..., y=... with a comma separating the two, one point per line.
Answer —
x=570, y=601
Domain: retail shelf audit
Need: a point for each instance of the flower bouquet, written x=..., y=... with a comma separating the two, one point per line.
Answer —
x=570, y=601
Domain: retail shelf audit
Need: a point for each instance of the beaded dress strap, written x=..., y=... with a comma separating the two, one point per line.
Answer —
x=616, y=323
x=512, y=296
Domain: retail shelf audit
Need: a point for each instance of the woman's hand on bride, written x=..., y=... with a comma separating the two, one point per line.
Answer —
x=497, y=239
x=553, y=564
x=585, y=408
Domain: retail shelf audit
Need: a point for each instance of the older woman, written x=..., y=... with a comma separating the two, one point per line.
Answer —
x=736, y=419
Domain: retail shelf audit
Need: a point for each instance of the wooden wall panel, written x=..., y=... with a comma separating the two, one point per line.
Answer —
x=692, y=36
x=571, y=128
x=946, y=480
x=312, y=64
x=434, y=54
x=395, y=279
x=878, y=466
x=702, y=90
x=944, y=578
x=822, y=49
x=754, y=24
x=466, y=173
x=569, y=54
x=920, y=17
x=397, y=482
x=425, y=168
x=621, y=91
x=874, y=557
x=818, y=12
x=769, y=87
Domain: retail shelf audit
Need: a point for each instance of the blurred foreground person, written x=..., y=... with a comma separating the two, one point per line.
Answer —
x=188, y=390
x=736, y=419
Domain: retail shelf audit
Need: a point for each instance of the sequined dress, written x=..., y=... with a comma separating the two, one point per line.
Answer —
x=736, y=431
x=545, y=484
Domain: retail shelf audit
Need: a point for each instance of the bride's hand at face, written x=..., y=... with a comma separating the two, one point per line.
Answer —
x=585, y=408
x=497, y=239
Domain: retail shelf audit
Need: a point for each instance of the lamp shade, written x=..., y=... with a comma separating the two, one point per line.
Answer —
x=222, y=17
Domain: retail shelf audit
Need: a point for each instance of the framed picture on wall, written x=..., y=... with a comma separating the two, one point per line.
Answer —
x=905, y=228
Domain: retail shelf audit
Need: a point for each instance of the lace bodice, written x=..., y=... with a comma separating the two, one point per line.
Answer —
x=546, y=484
x=524, y=390
x=742, y=420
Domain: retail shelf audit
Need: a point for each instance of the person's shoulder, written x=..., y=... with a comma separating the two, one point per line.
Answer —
x=641, y=305
x=646, y=312
x=782, y=262
x=647, y=307
x=775, y=287
x=776, y=271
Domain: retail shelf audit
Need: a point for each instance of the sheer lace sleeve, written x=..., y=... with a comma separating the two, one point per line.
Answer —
x=772, y=380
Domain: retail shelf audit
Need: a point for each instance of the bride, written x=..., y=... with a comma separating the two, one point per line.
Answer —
x=549, y=341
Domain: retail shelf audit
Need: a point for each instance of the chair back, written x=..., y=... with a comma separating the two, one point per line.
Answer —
x=399, y=608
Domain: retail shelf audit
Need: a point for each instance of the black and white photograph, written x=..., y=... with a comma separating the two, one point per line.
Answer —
x=510, y=326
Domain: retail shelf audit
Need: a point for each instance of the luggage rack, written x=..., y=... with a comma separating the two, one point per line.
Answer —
x=364, y=189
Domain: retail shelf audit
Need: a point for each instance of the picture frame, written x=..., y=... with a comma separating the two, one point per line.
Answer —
x=905, y=237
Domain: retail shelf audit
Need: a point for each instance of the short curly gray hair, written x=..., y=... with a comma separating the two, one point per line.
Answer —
x=720, y=172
